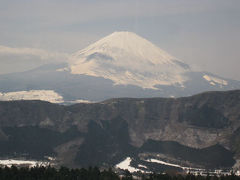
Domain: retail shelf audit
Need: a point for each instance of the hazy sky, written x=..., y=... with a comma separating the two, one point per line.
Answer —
x=205, y=33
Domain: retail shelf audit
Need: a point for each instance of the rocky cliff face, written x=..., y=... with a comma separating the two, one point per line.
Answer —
x=198, y=121
x=117, y=128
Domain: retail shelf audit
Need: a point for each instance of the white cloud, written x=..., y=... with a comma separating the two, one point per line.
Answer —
x=40, y=53
x=23, y=59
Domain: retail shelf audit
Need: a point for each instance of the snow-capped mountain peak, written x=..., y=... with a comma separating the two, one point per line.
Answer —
x=131, y=43
x=126, y=58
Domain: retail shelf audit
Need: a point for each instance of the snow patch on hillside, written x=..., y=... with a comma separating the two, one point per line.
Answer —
x=125, y=165
x=142, y=166
x=44, y=95
x=162, y=162
x=213, y=80
x=173, y=165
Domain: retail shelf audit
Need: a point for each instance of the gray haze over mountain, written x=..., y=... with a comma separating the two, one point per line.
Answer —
x=204, y=33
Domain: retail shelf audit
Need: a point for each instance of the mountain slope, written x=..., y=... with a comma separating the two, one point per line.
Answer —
x=107, y=132
x=128, y=59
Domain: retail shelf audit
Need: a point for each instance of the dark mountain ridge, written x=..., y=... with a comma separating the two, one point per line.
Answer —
x=106, y=132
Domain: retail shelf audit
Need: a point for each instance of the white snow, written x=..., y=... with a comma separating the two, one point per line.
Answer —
x=128, y=59
x=44, y=95
x=50, y=158
x=80, y=101
x=173, y=165
x=162, y=162
x=10, y=162
x=237, y=173
x=125, y=165
x=214, y=80
x=142, y=166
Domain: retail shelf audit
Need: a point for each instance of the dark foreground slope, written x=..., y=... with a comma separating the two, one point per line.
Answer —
x=202, y=130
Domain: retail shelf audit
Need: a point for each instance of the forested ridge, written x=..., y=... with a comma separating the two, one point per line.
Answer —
x=197, y=131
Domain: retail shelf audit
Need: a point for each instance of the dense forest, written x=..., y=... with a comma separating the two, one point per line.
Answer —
x=92, y=173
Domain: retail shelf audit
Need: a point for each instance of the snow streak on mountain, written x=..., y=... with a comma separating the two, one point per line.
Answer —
x=128, y=59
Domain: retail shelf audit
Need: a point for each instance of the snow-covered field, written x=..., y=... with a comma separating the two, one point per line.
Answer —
x=44, y=95
x=10, y=162
x=162, y=162
x=125, y=165
x=173, y=165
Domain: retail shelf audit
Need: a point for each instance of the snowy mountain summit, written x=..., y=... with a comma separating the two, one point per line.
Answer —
x=128, y=59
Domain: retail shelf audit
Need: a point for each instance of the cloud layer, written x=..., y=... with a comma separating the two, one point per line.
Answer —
x=39, y=53
x=23, y=59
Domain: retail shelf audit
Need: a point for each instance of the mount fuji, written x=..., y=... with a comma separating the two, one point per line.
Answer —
x=128, y=59
x=121, y=64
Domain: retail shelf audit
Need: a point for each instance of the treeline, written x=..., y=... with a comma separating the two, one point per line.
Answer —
x=51, y=173
x=63, y=173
